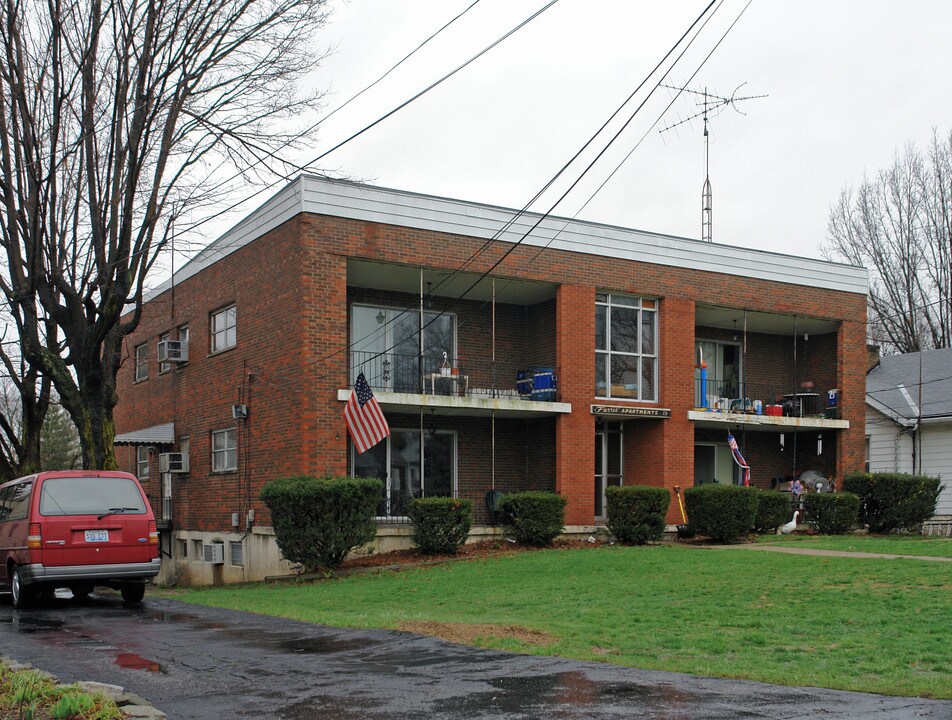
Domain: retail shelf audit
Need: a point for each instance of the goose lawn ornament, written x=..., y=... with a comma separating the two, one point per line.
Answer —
x=790, y=526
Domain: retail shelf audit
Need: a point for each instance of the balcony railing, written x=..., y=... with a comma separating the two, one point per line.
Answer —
x=393, y=505
x=804, y=400
x=460, y=377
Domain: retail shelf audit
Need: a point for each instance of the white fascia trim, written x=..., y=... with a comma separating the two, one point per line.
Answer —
x=889, y=413
x=340, y=198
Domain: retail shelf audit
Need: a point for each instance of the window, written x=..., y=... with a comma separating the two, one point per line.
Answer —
x=237, y=553
x=386, y=345
x=142, y=462
x=224, y=450
x=184, y=446
x=626, y=347
x=182, y=337
x=868, y=452
x=142, y=361
x=15, y=501
x=224, y=329
x=409, y=468
x=164, y=367
x=724, y=376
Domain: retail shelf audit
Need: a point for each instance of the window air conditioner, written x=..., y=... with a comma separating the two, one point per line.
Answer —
x=173, y=463
x=214, y=553
x=239, y=412
x=173, y=351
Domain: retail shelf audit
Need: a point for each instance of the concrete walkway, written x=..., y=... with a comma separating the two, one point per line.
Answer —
x=817, y=552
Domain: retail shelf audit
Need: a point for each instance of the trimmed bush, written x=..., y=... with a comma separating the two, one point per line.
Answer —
x=774, y=508
x=831, y=513
x=636, y=512
x=894, y=501
x=535, y=517
x=721, y=512
x=440, y=525
x=318, y=520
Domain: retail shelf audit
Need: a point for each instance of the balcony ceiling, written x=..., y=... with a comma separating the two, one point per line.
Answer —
x=443, y=283
x=761, y=322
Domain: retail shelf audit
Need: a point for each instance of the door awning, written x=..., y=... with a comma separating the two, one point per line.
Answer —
x=155, y=435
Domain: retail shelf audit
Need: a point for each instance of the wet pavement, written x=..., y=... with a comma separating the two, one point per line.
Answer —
x=195, y=662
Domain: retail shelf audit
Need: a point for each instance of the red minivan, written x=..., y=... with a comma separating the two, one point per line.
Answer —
x=76, y=529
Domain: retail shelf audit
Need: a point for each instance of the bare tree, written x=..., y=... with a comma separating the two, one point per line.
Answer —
x=112, y=113
x=899, y=226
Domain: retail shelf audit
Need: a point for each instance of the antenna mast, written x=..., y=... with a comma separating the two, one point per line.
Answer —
x=711, y=106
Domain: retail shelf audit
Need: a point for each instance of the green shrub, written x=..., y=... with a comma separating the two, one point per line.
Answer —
x=636, y=512
x=774, y=508
x=894, y=501
x=318, y=520
x=721, y=512
x=440, y=525
x=535, y=517
x=831, y=513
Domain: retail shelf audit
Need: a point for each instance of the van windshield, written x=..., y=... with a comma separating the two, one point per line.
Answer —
x=90, y=496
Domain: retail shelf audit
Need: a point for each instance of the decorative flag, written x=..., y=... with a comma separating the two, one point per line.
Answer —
x=364, y=418
x=738, y=458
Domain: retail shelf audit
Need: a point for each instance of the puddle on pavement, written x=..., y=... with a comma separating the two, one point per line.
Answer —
x=316, y=645
x=28, y=624
x=131, y=661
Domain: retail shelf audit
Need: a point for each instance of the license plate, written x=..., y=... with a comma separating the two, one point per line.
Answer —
x=97, y=536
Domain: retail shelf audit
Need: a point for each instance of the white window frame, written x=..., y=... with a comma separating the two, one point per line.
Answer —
x=223, y=329
x=164, y=367
x=142, y=462
x=605, y=355
x=141, y=353
x=220, y=456
x=181, y=334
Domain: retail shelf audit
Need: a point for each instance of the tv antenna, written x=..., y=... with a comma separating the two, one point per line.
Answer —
x=711, y=106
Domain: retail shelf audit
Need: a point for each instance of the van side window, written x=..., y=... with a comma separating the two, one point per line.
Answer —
x=19, y=502
x=5, y=502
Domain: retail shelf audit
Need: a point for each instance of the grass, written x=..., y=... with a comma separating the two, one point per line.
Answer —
x=847, y=623
x=891, y=544
x=29, y=695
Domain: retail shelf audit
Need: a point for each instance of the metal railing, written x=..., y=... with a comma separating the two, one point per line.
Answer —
x=754, y=398
x=393, y=506
x=461, y=377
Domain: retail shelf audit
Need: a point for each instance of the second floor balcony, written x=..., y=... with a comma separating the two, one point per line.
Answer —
x=464, y=387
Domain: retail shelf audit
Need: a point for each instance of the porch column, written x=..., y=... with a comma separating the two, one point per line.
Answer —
x=851, y=380
x=575, y=432
x=674, y=437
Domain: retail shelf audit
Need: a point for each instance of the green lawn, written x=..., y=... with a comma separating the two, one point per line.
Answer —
x=893, y=544
x=849, y=623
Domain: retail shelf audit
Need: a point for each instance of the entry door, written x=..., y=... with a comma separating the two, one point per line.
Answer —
x=714, y=462
x=608, y=464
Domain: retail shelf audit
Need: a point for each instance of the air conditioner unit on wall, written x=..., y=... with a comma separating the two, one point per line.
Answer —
x=173, y=463
x=214, y=553
x=173, y=351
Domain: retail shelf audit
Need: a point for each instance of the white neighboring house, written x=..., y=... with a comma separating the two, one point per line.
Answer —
x=909, y=418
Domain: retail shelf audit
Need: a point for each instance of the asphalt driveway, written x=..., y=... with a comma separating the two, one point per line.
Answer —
x=195, y=662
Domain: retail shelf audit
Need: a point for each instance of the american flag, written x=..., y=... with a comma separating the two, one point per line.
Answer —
x=364, y=418
x=738, y=458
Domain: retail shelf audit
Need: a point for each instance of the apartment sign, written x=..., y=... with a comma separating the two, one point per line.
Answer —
x=630, y=412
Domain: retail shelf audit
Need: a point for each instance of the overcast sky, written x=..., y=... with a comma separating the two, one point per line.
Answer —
x=849, y=83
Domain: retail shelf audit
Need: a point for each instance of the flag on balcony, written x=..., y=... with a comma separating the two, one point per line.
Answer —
x=738, y=458
x=364, y=418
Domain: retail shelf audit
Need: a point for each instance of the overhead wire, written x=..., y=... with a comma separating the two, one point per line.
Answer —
x=590, y=165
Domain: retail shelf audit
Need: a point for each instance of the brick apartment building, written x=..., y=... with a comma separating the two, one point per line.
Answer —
x=564, y=360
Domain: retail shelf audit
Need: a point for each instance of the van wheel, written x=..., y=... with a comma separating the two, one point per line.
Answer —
x=133, y=593
x=81, y=592
x=20, y=593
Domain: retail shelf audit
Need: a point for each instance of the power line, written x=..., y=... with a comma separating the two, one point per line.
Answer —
x=543, y=216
